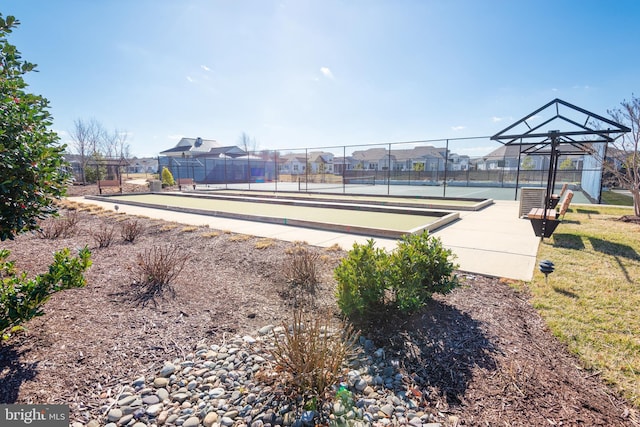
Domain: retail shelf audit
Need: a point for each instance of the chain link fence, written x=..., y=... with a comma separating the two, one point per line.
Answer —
x=440, y=168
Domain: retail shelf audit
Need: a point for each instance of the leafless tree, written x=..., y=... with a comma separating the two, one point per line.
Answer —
x=248, y=144
x=87, y=137
x=92, y=141
x=115, y=144
x=623, y=159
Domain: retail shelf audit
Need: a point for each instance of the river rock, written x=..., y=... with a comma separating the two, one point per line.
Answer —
x=191, y=422
x=210, y=419
x=160, y=382
x=154, y=410
x=167, y=370
x=114, y=415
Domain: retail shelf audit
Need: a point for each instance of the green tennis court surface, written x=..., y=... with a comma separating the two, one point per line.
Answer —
x=369, y=219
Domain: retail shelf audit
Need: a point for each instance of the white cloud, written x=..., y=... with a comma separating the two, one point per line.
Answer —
x=495, y=119
x=204, y=67
x=326, y=72
x=190, y=79
x=457, y=128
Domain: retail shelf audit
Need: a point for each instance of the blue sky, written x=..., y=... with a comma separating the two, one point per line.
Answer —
x=312, y=74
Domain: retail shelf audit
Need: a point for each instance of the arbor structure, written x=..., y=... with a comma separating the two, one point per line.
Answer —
x=622, y=157
x=578, y=132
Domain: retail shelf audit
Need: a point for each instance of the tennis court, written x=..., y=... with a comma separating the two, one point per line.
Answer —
x=371, y=219
x=449, y=192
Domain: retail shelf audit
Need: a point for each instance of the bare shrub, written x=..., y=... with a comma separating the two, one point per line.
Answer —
x=264, y=243
x=211, y=234
x=103, y=236
x=156, y=268
x=56, y=227
x=334, y=248
x=312, y=355
x=301, y=269
x=131, y=229
x=239, y=238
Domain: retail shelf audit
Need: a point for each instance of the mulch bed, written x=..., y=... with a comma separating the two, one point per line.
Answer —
x=630, y=218
x=480, y=354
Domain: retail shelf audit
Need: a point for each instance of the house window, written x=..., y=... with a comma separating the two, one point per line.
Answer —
x=295, y=168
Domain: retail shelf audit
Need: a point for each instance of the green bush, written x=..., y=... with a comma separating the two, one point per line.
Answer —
x=419, y=267
x=167, y=178
x=21, y=299
x=33, y=172
x=33, y=175
x=94, y=173
x=360, y=278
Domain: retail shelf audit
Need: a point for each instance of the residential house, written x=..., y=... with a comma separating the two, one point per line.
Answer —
x=371, y=159
x=426, y=158
x=320, y=162
x=506, y=157
x=344, y=164
x=293, y=164
x=458, y=162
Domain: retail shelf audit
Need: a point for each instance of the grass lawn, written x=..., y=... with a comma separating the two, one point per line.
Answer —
x=591, y=301
x=613, y=198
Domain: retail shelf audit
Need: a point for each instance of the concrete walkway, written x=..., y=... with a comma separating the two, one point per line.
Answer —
x=492, y=241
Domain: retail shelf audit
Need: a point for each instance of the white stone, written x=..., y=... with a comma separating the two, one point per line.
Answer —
x=154, y=410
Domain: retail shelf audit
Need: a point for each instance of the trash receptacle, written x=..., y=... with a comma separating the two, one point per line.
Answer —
x=155, y=186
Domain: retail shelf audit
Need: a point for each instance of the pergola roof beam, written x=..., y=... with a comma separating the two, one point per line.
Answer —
x=610, y=134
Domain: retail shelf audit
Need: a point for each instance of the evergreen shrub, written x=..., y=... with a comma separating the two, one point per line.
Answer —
x=406, y=278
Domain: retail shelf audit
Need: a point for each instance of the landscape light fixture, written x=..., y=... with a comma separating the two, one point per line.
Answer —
x=546, y=267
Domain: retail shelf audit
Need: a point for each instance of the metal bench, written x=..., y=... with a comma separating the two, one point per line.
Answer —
x=544, y=224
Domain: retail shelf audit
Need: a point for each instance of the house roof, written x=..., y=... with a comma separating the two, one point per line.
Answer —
x=376, y=154
x=290, y=157
x=419, y=152
x=194, y=145
x=507, y=151
x=320, y=157
x=371, y=154
x=230, y=150
x=176, y=150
